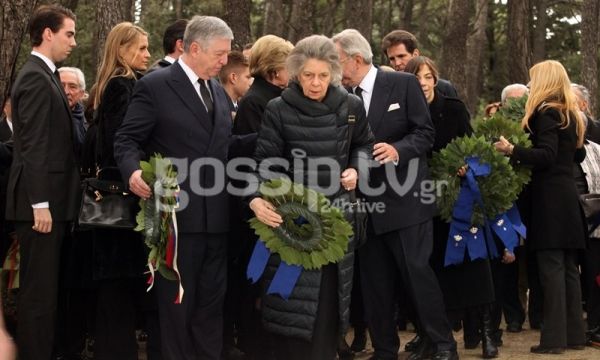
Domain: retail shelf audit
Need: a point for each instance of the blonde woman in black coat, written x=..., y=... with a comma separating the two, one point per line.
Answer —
x=551, y=210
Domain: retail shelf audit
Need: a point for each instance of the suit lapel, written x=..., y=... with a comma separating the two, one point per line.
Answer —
x=379, y=100
x=219, y=101
x=182, y=86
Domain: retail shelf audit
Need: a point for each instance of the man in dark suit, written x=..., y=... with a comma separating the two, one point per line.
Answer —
x=182, y=114
x=43, y=181
x=400, y=234
x=400, y=46
x=172, y=45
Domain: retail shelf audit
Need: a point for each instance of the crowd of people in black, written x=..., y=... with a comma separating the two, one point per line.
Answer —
x=323, y=98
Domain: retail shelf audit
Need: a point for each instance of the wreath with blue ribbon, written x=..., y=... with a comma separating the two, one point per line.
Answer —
x=479, y=202
x=313, y=233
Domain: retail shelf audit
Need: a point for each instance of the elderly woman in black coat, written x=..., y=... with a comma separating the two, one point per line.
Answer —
x=550, y=205
x=311, y=117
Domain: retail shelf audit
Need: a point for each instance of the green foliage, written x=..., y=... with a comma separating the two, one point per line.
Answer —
x=498, y=190
x=155, y=216
x=320, y=238
x=513, y=109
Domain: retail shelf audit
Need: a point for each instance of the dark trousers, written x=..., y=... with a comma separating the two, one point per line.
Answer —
x=406, y=251
x=592, y=270
x=38, y=292
x=115, y=320
x=194, y=329
x=563, y=315
x=514, y=312
x=535, y=304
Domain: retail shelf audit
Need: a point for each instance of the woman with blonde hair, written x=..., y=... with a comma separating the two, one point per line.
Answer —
x=118, y=255
x=550, y=205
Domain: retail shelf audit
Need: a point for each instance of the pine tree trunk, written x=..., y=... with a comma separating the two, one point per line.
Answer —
x=108, y=14
x=455, y=45
x=518, y=35
x=539, y=35
x=476, y=45
x=274, y=19
x=359, y=16
x=237, y=16
x=14, y=17
x=590, y=40
x=301, y=19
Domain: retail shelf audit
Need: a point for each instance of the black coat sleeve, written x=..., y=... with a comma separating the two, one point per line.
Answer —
x=362, y=137
x=249, y=116
x=545, y=127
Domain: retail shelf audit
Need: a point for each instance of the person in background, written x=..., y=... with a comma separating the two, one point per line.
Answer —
x=247, y=51
x=118, y=255
x=557, y=132
x=583, y=101
x=172, y=45
x=235, y=79
x=73, y=81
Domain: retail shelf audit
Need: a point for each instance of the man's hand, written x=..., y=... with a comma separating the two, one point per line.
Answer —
x=384, y=152
x=139, y=186
x=349, y=178
x=42, y=220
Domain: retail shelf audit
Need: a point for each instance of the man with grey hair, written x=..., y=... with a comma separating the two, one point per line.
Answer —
x=400, y=236
x=513, y=91
x=592, y=131
x=73, y=81
x=182, y=113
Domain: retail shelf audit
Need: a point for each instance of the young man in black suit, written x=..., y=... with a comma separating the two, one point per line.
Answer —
x=43, y=181
x=400, y=234
x=183, y=114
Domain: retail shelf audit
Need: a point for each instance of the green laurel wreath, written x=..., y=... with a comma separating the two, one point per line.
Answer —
x=499, y=189
x=501, y=125
x=154, y=217
x=320, y=238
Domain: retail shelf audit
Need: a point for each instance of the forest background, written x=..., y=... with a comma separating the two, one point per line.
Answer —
x=479, y=45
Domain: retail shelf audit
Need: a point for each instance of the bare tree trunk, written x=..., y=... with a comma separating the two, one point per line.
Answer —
x=359, y=15
x=178, y=7
x=14, y=16
x=539, y=35
x=237, y=16
x=300, y=24
x=422, y=20
x=455, y=45
x=406, y=14
x=518, y=32
x=590, y=40
x=108, y=14
x=274, y=20
x=70, y=4
x=476, y=45
x=328, y=17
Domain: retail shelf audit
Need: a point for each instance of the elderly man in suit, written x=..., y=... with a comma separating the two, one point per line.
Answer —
x=43, y=181
x=400, y=236
x=182, y=113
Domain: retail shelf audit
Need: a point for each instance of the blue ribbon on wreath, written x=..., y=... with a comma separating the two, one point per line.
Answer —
x=465, y=237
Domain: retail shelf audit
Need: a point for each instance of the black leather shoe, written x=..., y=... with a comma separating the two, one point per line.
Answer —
x=424, y=351
x=539, y=349
x=413, y=344
x=514, y=327
x=445, y=355
x=360, y=340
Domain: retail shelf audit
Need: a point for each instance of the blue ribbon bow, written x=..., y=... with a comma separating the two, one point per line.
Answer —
x=465, y=237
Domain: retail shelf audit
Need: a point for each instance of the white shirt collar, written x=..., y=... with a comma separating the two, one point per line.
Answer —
x=170, y=59
x=368, y=82
x=189, y=72
x=45, y=59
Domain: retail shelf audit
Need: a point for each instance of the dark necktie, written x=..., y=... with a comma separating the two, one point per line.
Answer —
x=358, y=92
x=206, y=98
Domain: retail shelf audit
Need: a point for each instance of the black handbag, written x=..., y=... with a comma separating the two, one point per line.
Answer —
x=590, y=203
x=105, y=202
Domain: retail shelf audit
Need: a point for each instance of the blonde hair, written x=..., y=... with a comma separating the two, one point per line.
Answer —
x=268, y=55
x=121, y=38
x=550, y=88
